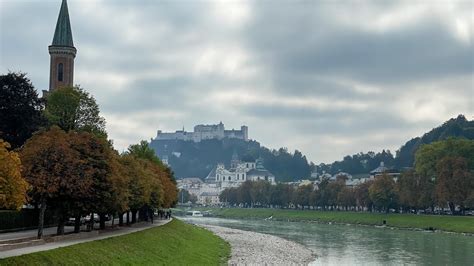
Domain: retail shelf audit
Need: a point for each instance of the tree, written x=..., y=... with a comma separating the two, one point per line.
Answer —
x=302, y=195
x=346, y=197
x=144, y=151
x=455, y=182
x=361, y=194
x=382, y=192
x=20, y=109
x=104, y=185
x=428, y=156
x=75, y=109
x=407, y=190
x=50, y=166
x=138, y=189
x=166, y=183
x=12, y=185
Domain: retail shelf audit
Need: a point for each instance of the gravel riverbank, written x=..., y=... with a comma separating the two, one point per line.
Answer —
x=250, y=248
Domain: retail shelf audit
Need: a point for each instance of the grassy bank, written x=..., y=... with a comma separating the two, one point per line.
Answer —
x=175, y=243
x=445, y=223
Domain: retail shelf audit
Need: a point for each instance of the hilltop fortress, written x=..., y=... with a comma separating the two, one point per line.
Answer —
x=203, y=132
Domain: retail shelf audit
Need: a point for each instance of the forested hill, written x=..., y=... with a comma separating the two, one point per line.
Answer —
x=363, y=163
x=455, y=127
x=191, y=159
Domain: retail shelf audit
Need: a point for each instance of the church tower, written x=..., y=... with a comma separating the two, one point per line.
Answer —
x=62, y=52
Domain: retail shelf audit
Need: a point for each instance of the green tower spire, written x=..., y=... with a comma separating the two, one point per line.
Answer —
x=63, y=32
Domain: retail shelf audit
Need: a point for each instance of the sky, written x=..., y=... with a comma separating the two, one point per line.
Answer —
x=329, y=78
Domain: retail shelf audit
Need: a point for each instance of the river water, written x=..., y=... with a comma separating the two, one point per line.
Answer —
x=361, y=245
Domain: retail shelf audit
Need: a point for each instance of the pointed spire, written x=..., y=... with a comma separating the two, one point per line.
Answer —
x=63, y=32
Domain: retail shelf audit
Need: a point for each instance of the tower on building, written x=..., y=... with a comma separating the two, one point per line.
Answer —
x=234, y=161
x=62, y=52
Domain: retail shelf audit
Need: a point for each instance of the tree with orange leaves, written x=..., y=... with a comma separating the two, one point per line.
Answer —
x=50, y=166
x=12, y=185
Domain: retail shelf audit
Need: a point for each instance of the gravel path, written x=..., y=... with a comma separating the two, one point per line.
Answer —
x=250, y=248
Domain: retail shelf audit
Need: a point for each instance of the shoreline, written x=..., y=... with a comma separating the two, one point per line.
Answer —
x=358, y=224
x=440, y=224
x=252, y=248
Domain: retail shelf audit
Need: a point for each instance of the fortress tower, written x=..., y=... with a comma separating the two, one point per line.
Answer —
x=62, y=52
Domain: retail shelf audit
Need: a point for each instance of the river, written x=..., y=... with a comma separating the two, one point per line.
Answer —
x=362, y=245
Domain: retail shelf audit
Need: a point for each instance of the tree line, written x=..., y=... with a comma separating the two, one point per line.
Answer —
x=363, y=163
x=443, y=177
x=55, y=154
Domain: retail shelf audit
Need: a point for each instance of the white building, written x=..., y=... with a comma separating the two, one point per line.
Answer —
x=240, y=172
x=209, y=198
x=221, y=178
x=203, y=132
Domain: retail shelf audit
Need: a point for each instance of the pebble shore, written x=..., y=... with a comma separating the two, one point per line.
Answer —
x=250, y=248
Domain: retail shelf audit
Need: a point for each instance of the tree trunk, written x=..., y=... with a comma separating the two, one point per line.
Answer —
x=452, y=208
x=128, y=217
x=91, y=222
x=121, y=218
x=60, y=230
x=77, y=224
x=134, y=216
x=102, y=221
x=41, y=218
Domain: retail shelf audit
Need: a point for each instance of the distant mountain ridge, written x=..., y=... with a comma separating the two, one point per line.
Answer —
x=454, y=127
x=363, y=163
x=196, y=159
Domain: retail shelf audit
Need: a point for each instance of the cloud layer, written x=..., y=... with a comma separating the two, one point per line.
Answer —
x=328, y=78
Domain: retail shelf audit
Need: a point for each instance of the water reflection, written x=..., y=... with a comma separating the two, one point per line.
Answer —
x=359, y=245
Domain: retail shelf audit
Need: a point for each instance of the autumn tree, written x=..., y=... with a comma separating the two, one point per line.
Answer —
x=302, y=195
x=382, y=192
x=105, y=190
x=407, y=188
x=12, y=185
x=51, y=167
x=361, y=194
x=346, y=197
x=455, y=183
x=20, y=109
x=74, y=109
x=138, y=189
x=159, y=171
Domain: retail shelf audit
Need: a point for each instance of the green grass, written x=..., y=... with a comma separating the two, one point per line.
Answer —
x=457, y=224
x=175, y=243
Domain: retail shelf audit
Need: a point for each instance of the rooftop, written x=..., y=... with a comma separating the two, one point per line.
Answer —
x=63, y=32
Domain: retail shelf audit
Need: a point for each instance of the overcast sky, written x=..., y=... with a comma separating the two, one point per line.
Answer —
x=329, y=78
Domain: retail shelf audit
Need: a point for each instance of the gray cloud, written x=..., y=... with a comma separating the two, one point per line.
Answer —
x=328, y=78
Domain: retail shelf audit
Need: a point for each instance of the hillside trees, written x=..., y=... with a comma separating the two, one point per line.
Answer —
x=458, y=127
x=20, y=109
x=428, y=156
x=12, y=185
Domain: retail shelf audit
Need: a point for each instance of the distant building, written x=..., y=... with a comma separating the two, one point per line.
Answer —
x=381, y=170
x=240, y=172
x=209, y=198
x=220, y=178
x=204, y=132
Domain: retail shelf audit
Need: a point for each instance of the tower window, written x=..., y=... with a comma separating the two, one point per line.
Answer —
x=60, y=72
